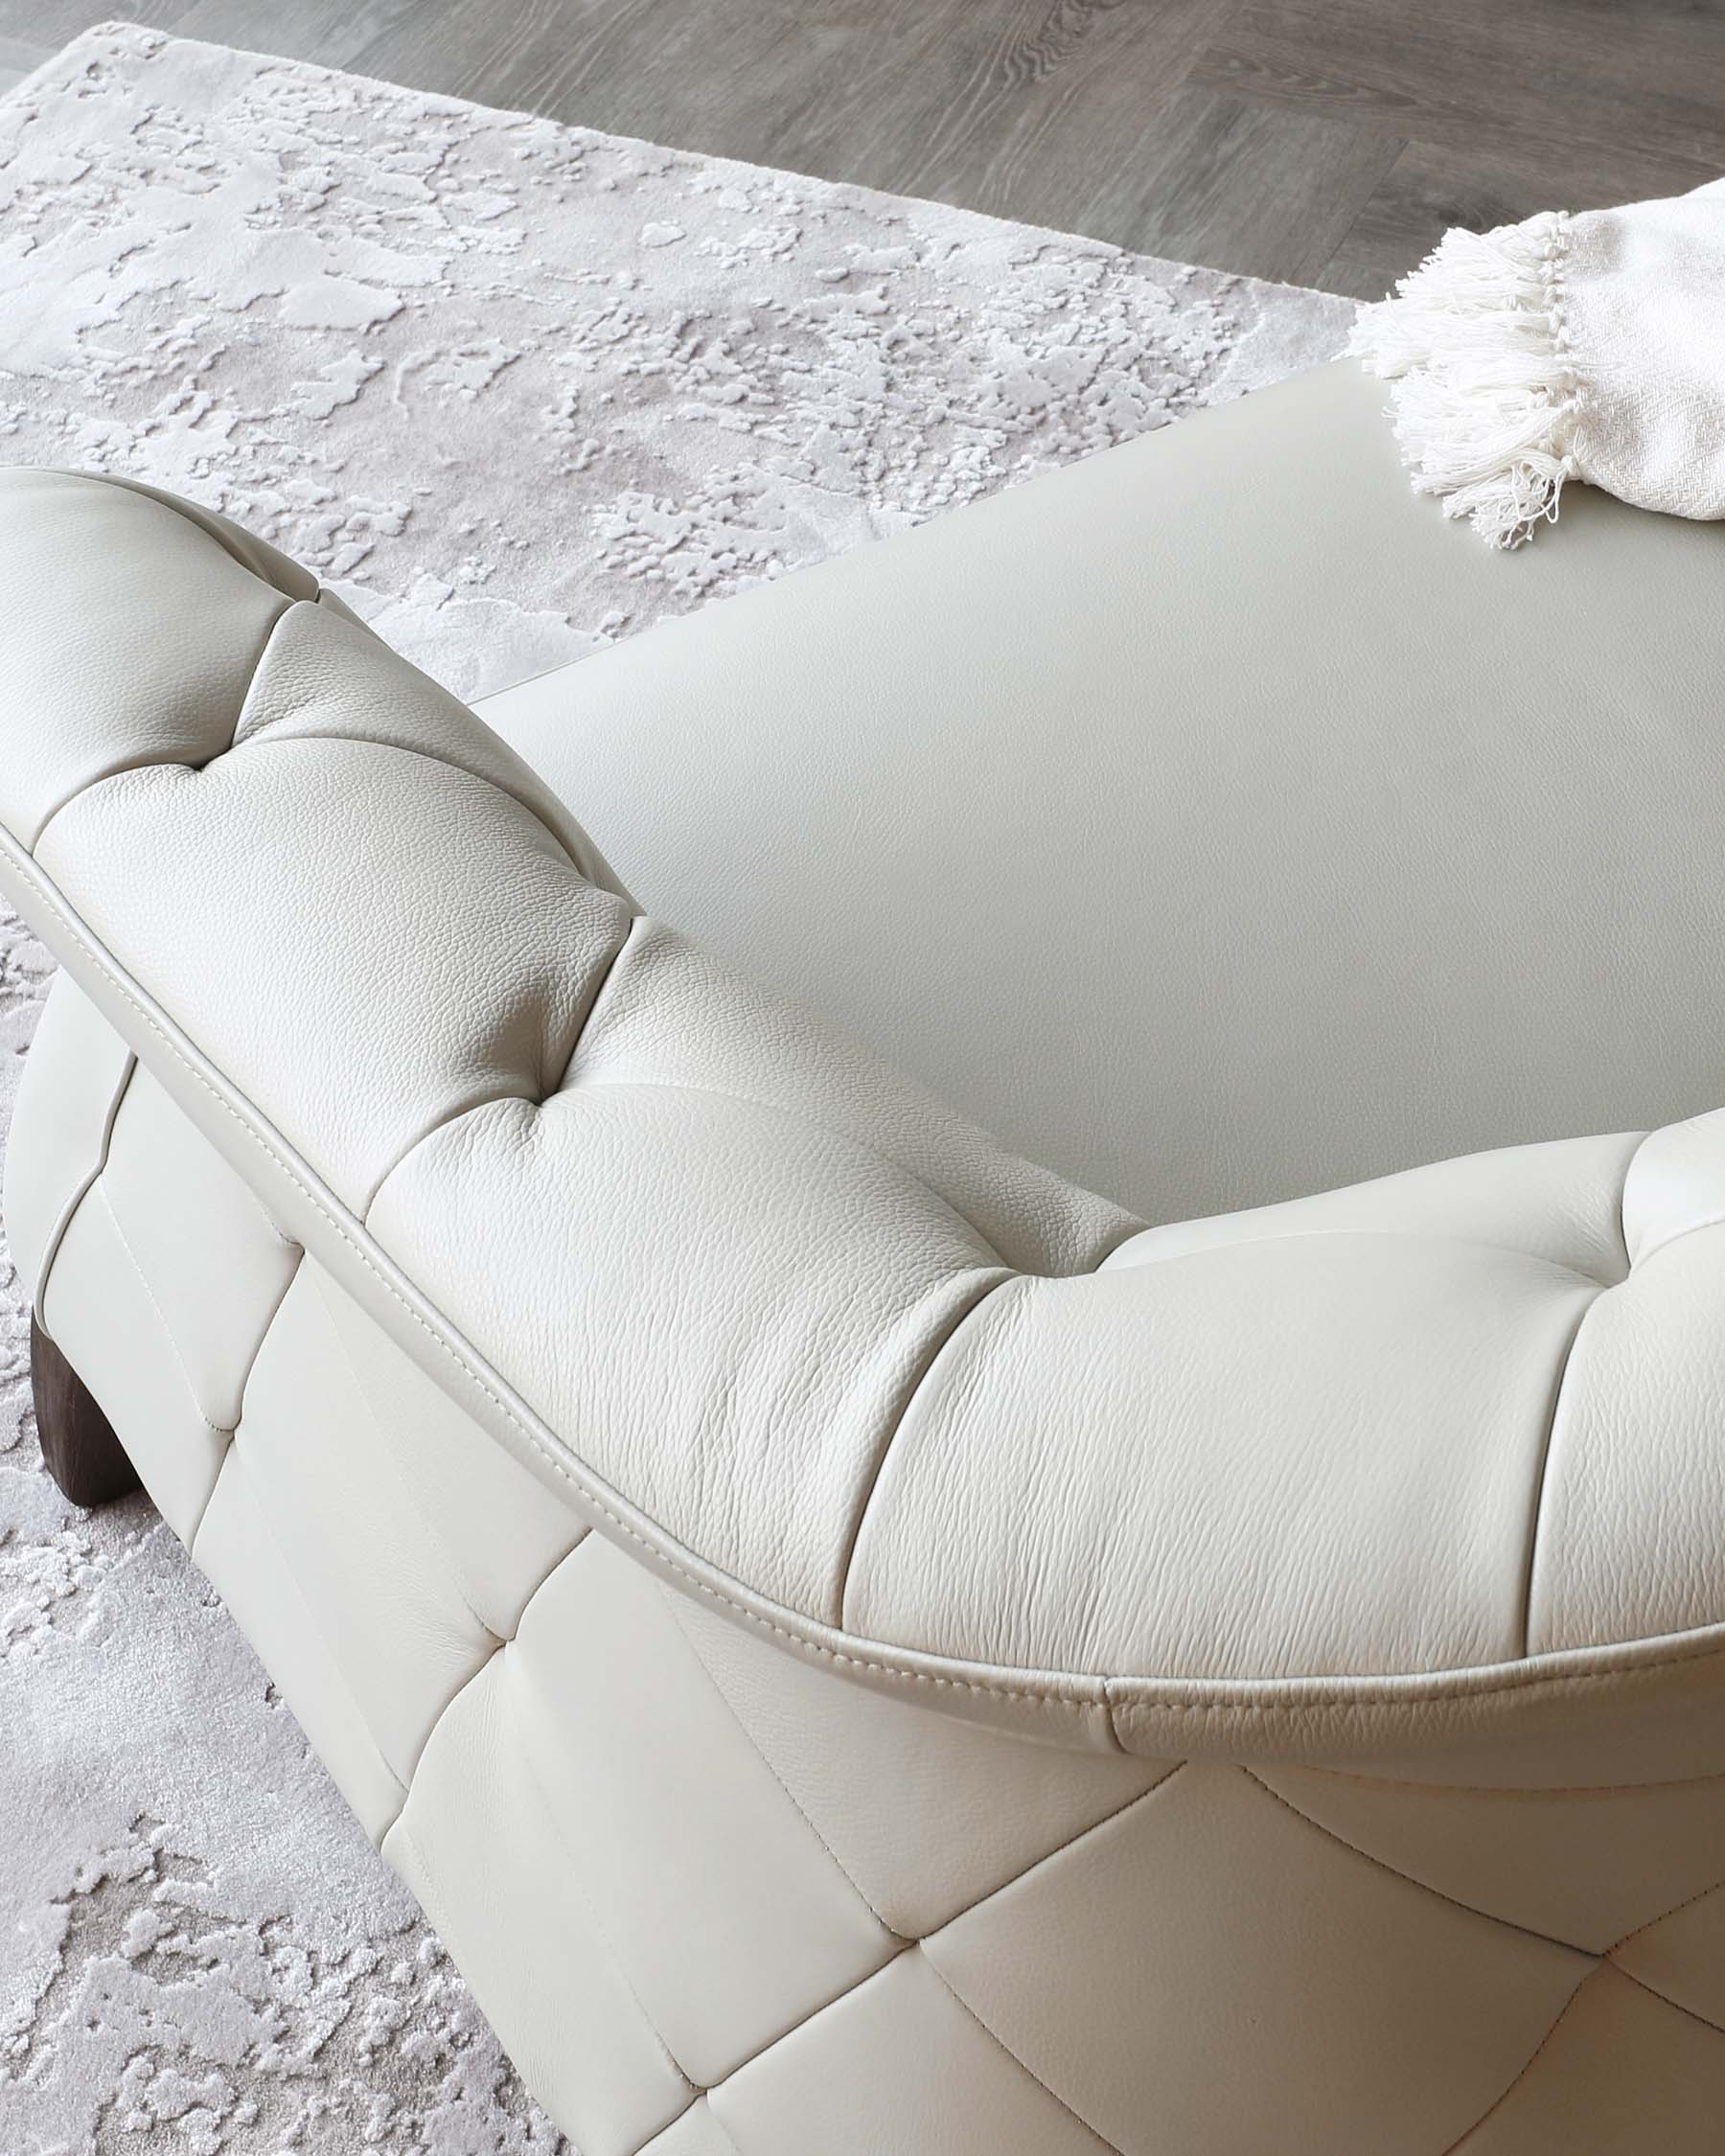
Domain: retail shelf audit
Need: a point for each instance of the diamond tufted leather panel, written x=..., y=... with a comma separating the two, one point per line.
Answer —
x=718, y=1904
x=778, y=1322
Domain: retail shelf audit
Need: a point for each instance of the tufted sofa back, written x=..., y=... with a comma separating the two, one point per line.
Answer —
x=1374, y=1468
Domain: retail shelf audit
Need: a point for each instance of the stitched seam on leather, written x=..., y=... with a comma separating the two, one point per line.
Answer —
x=474, y=1674
x=1623, y=1202
x=437, y=1720
x=667, y=1595
x=229, y=1459
x=470, y=1677
x=267, y=740
x=411, y=1497
x=1532, y=1559
x=1059, y=1849
x=813, y=2014
x=915, y=1383
x=470, y=1368
x=695, y=2102
x=831, y=1131
x=244, y=1388
x=1665, y=1999
x=572, y=1082
x=531, y=1782
x=572, y=1874
x=257, y=675
x=1665, y=1916
x=83, y=1190
x=1114, y=1244
x=1420, y=1885
x=995, y=2037
x=1678, y=1235
x=219, y=1430
x=443, y=1122
x=1375, y=1233
x=637, y=920
x=477, y=1107
x=160, y=762
x=1535, y=2057
x=1410, y=1687
x=457, y=1115
x=234, y=542
x=401, y=1830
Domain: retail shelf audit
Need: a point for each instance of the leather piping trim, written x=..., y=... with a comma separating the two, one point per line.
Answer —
x=1289, y=1702
x=412, y=1500
x=69, y=1211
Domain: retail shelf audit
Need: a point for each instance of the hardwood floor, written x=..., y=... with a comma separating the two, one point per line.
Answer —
x=1324, y=142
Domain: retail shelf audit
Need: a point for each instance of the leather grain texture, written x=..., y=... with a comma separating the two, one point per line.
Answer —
x=784, y=1327
x=1201, y=819
x=718, y=1904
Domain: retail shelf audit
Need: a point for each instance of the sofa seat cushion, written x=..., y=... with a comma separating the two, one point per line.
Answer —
x=1435, y=1455
x=1211, y=820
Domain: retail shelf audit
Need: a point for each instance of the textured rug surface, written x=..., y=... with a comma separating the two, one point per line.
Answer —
x=516, y=390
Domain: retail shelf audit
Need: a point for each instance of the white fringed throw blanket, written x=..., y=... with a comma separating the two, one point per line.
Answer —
x=1588, y=347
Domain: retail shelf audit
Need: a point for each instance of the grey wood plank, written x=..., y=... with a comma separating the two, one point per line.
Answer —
x=1431, y=187
x=1316, y=141
x=1028, y=108
x=1254, y=187
x=49, y=24
x=332, y=32
x=1036, y=110
x=20, y=57
x=1535, y=77
x=17, y=60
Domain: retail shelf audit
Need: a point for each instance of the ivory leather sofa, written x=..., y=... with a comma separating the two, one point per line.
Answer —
x=864, y=1645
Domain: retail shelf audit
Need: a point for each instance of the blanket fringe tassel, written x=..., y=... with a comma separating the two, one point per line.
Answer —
x=1484, y=390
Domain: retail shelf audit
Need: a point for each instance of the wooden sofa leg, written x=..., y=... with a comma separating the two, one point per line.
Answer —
x=79, y=1446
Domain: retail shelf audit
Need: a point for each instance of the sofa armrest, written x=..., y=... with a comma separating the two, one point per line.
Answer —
x=1442, y=1449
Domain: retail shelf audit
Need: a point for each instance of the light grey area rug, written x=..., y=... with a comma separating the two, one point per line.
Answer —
x=516, y=390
